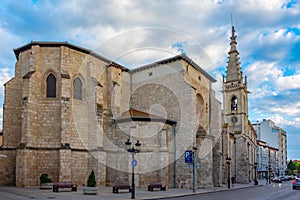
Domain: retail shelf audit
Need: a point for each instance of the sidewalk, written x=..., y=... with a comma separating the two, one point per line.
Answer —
x=105, y=193
x=185, y=192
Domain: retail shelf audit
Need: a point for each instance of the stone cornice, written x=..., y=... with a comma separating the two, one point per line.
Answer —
x=25, y=47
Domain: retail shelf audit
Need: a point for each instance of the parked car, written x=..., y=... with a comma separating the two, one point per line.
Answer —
x=277, y=180
x=292, y=177
x=284, y=178
x=296, y=183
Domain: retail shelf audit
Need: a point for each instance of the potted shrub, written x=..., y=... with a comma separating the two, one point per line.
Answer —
x=91, y=185
x=45, y=182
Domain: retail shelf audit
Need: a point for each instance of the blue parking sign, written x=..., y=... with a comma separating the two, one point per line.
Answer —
x=188, y=156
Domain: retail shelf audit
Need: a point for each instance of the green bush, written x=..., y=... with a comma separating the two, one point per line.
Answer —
x=91, y=180
x=44, y=178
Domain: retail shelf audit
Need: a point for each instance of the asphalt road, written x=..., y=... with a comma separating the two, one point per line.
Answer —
x=275, y=191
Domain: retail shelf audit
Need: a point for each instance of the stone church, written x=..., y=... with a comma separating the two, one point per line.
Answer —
x=239, y=133
x=68, y=111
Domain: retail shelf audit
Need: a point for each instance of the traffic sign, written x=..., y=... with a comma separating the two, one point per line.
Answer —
x=259, y=169
x=134, y=163
x=188, y=156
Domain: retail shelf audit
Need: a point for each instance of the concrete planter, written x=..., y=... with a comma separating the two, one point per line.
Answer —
x=90, y=190
x=46, y=186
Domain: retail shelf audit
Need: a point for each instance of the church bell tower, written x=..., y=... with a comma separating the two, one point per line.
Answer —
x=235, y=94
x=235, y=107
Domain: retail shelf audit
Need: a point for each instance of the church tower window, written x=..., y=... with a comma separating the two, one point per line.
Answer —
x=233, y=103
x=51, y=86
x=77, y=94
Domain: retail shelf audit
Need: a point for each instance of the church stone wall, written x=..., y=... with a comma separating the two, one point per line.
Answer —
x=67, y=138
x=12, y=113
x=8, y=169
x=242, y=165
x=170, y=90
x=153, y=162
x=216, y=132
x=48, y=139
x=30, y=164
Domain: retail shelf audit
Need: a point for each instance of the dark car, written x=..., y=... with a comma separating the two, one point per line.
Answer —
x=296, y=184
x=277, y=180
x=292, y=177
x=284, y=178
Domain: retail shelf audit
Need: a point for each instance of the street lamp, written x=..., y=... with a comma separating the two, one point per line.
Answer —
x=228, y=159
x=267, y=174
x=133, y=150
x=194, y=162
x=255, y=172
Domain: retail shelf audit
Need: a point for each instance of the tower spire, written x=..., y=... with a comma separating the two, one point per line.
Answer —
x=233, y=41
x=233, y=67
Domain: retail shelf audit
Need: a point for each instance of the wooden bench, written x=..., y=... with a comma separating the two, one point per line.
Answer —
x=121, y=186
x=67, y=184
x=158, y=185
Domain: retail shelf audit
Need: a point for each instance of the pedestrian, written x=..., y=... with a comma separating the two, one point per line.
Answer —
x=232, y=181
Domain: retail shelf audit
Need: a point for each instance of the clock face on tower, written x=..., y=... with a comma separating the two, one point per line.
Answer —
x=234, y=119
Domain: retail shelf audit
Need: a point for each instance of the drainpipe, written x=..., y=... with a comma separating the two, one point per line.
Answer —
x=235, y=157
x=174, y=172
x=130, y=84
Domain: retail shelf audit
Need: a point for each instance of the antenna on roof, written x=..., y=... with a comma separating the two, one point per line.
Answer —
x=231, y=19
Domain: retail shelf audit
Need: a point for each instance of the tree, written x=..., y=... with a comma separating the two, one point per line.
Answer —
x=292, y=165
x=91, y=180
x=297, y=165
x=44, y=178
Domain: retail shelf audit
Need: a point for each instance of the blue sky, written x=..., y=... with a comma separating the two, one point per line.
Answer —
x=134, y=32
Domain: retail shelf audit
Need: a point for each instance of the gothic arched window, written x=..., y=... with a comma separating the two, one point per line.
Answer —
x=234, y=103
x=77, y=93
x=51, y=86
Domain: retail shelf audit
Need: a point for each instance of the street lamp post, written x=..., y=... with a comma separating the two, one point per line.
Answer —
x=133, y=150
x=228, y=159
x=194, y=162
x=267, y=175
x=255, y=174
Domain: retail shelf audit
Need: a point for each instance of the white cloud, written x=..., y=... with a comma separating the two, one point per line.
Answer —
x=217, y=87
x=260, y=76
x=297, y=120
x=8, y=43
x=5, y=75
x=217, y=53
x=288, y=82
x=265, y=6
x=286, y=110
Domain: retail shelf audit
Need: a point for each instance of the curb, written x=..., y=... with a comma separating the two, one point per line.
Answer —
x=197, y=193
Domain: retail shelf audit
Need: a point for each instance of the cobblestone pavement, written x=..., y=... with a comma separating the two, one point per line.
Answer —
x=105, y=193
